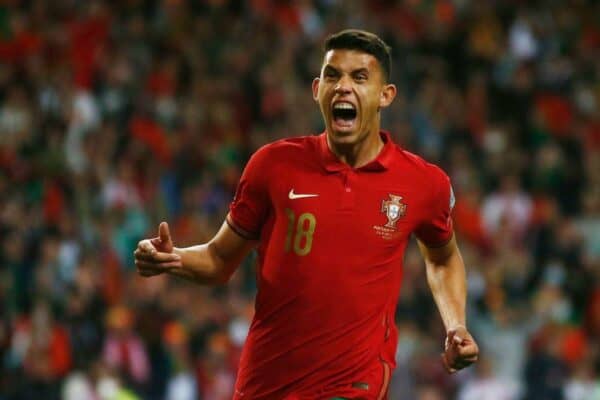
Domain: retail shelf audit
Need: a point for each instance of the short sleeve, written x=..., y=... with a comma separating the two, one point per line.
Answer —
x=248, y=210
x=436, y=228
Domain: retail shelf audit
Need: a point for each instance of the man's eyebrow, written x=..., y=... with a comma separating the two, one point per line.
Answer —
x=360, y=71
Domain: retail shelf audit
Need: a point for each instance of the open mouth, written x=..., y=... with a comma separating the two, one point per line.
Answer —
x=344, y=114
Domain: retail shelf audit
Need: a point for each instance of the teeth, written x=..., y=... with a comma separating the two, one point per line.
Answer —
x=343, y=106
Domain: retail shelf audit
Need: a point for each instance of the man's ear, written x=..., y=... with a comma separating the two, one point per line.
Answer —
x=315, y=88
x=387, y=95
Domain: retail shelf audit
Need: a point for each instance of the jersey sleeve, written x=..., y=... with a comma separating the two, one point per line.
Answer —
x=248, y=210
x=436, y=229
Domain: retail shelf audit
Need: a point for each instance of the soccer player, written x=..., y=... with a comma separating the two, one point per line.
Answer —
x=330, y=216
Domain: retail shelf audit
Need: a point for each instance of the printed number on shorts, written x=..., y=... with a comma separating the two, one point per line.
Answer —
x=300, y=232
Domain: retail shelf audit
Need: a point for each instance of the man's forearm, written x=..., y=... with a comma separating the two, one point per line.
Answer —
x=213, y=263
x=447, y=280
x=200, y=264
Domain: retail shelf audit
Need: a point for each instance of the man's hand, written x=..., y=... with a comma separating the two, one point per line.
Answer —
x=460, y=349
x=155, y=256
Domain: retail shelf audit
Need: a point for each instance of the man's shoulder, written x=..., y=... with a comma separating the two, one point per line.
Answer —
x=287, y=147
x=411, y=162
x=291, y=143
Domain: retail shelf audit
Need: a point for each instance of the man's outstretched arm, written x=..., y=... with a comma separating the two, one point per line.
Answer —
x=211, y=263
x=447, y=280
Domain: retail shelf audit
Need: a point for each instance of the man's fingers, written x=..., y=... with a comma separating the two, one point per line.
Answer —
x=453, y=360
x=146, y=246
x=142, y=253
x=467, y=351
x=163, y=232
x=156, y=256
x=165, y=257
x=450, y=369
x=460, y=351
x=471, y=359
x=458, y=364
x=463, y=363
x=450, y=335
x=147, y=268
x=148, y=265
x=453, y=337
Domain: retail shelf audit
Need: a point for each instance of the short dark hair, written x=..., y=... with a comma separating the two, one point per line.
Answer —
x=357, y=39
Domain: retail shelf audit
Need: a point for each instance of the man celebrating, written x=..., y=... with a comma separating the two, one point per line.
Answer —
x=331, y=216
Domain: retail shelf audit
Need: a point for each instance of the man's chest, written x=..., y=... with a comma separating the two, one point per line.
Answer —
x=343, y=213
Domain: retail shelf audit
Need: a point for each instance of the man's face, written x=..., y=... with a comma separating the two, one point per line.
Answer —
x=350, y=91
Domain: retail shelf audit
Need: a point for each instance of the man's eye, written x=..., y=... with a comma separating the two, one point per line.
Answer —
x=361, y=78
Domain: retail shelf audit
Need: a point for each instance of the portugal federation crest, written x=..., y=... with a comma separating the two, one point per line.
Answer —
x=393, y=209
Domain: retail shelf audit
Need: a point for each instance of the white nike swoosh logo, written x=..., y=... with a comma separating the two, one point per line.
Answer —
x=293, y=195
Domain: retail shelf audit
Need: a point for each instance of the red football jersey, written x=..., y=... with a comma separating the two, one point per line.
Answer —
x=332, y=240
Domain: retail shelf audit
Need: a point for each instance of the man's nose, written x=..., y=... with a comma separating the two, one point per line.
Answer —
x=344, y=85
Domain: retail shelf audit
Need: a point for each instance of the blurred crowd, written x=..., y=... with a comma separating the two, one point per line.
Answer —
x=116, y=115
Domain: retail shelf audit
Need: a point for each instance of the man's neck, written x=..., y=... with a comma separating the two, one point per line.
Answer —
x=358, y=154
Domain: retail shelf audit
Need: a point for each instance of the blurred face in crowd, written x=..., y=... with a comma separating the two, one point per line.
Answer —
x=351, y=91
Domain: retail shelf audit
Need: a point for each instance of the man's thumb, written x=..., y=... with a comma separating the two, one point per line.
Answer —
x=163, y=232
x=453, y=338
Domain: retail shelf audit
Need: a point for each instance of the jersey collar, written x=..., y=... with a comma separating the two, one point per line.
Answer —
x=381, y=163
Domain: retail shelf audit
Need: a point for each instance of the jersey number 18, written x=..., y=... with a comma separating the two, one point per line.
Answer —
x=300, y=232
